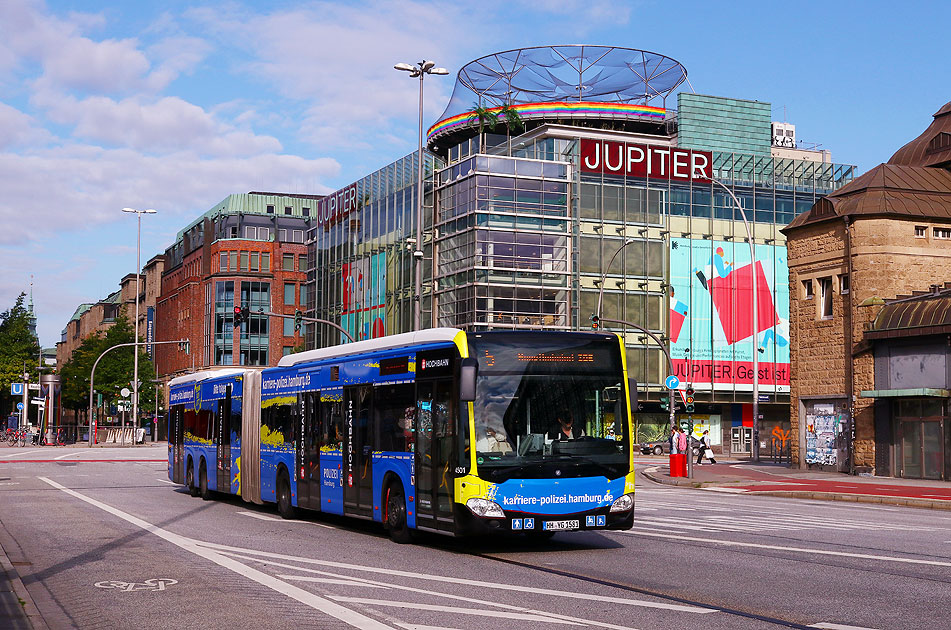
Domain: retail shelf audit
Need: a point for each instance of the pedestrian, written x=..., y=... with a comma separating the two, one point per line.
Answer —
x=705, y=449
x=681, y=440
x=673, y=441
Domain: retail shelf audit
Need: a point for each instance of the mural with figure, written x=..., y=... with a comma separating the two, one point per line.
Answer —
x=711, y=313
x=364, y=298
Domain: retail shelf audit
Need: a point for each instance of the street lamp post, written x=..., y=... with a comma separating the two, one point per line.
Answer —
x=420, y=70
x=749, y=237
x=138, y=267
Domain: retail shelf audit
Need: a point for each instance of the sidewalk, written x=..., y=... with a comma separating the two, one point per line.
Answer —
x=761, y=478
x=17, y=610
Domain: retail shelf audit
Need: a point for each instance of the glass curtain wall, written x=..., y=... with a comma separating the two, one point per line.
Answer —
x=254, y=332
x=503, y=244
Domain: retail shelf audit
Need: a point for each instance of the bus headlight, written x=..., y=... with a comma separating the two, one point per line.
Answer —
x=485, y=508
x=623, y=503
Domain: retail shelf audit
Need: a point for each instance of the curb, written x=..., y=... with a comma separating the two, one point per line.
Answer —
x=805, y=494
x=31, y=616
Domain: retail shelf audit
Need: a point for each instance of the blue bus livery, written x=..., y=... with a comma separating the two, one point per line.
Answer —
x=440, y=430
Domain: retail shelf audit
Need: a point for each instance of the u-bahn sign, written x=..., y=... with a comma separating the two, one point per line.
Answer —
x=645, y=160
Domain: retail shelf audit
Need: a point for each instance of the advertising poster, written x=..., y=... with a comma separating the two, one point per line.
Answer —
x=711, y=314
x=821, y=432
x=364, y=298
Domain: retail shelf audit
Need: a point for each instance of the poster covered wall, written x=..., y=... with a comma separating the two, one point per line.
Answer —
x=711, y=314
x=364, y=298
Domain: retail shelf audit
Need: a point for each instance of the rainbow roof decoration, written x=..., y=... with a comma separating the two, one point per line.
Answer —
x=554, y=110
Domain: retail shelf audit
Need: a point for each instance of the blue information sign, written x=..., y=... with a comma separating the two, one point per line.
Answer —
x=672, y=382
x=20, y=406
x=16, y=389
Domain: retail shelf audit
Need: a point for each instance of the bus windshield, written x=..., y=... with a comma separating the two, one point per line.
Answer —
x=549, y=405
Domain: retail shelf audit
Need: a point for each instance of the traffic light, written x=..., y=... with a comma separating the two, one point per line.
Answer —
x=298, y=319
x=238, y=315
x=595, y=322
x=689, y=400
x=664, y=402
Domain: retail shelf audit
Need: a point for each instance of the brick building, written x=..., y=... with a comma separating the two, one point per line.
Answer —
x=248, y=250
x=855, y=251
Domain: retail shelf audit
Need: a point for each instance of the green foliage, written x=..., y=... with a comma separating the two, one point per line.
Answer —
x=486, y=118
x=113, y=372
x=18, y=349
x=513, y=121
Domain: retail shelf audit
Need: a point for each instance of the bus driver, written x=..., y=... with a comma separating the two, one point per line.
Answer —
x=566, y=429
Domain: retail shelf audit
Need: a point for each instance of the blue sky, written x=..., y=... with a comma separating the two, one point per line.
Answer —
x=173, y=105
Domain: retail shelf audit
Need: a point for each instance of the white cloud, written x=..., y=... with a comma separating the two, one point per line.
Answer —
x=19, y=129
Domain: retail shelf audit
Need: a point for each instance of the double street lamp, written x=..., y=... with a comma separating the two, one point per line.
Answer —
x=420, y=70
x=138, y=268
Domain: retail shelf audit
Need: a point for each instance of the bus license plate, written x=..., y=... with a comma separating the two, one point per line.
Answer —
x=561, y=525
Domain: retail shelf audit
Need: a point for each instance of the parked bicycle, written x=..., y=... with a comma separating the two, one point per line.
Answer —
x=17, y=437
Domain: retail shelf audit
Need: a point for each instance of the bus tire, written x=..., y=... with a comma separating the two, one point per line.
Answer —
x=203, y=483
x=395, y=522
x=285, y=507
x=190, y=479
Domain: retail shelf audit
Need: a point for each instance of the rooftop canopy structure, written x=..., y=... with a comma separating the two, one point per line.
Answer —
x=574, y=84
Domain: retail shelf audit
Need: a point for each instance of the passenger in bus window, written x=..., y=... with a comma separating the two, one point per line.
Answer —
x=494, y=442
x=566, y=429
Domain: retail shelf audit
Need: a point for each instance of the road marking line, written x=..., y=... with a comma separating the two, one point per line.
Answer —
x=415, y=626
x=191, y=545
x=821, y=552
x=502, y=614
x=838, y=626
x=729, y=490
x=69, y=454
x=171, y=483
x=519, y=588
x=265, y=517
x=320, y=580
x=36, y=450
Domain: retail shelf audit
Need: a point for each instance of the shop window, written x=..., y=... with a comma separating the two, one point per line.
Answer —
x=825, y=298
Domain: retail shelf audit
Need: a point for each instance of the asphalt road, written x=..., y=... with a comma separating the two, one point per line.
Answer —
x=113, y=544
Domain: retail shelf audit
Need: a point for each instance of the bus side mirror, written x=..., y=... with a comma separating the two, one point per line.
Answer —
x=467, y=379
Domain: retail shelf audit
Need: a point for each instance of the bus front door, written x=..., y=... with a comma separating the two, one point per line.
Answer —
x=308, y=452
x=434, y=453
x=223, y=438
x=357, y=452
x=176, y=439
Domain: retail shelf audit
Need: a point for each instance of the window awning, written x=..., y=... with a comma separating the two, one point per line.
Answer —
x=906, y=393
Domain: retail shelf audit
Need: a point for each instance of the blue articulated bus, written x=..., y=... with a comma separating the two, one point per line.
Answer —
x=440, y=430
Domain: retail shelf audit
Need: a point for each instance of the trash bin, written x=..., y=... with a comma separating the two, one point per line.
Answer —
x=678, y=464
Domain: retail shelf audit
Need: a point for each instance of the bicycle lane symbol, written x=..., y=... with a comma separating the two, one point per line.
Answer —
x=154, y=584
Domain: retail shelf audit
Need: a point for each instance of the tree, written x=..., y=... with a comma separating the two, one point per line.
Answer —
x=513, y=123
x=486, y=118
x=113, y=372
x=19, y=349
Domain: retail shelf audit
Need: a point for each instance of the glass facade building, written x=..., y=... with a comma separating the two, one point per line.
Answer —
x=580, y=205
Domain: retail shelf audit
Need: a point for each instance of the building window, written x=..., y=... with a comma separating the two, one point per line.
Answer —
x=942, y=233
x=223, y=261
x=255, y=261
x=234, y=261
x=233, y=231
x=289, y=293
x=287, y=210
x=844, y=283
x=288, y=262
x=265, y=262
x=303, y=295
x=287, y=350
x=921, y=231
x=244, y=262
x=288, y=327
x=297, y=236
x=282, y=235
x=302, y=263
x=306, y=211
x=270, y=209
x=807, y=289
x=825, y=297
x=250, y=232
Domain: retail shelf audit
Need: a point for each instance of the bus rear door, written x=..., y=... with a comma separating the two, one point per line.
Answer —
x=435, y=439
x=357, y=452
x=223, y=438
x=176, y=440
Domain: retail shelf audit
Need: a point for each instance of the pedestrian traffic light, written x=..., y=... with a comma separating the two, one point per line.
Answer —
x=689, y=400
x=298, y=319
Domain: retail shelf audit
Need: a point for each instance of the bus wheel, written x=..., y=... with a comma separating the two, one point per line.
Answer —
x=203, y=483
x=396, y=514
x=284, y=505
x=190, y=480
